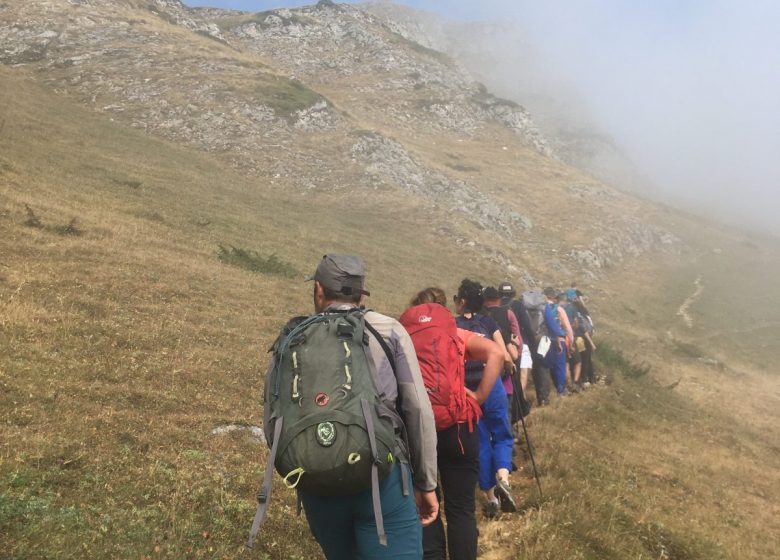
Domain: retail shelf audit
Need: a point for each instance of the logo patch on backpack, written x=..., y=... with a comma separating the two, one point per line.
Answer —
x=326, y=434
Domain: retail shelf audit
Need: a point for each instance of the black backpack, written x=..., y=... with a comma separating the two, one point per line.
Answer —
x=477, y=323
x=500, y=315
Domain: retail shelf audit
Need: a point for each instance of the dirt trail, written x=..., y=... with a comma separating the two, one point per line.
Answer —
x=683, y=311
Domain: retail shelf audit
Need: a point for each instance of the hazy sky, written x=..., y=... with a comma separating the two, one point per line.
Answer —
x=690, y=89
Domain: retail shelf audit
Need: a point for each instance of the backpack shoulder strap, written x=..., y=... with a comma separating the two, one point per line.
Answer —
x=383, y=343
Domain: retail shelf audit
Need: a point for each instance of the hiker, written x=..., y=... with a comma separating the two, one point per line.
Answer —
x=568, y=317
x=556, y=355
x=379, y=518
x=495, y=434
x=441, y=349
x=583, y=331
x=525, y=362
x=529, y=310
x=509, y=326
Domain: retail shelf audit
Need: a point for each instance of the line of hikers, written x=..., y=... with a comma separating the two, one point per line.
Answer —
x=376, y=421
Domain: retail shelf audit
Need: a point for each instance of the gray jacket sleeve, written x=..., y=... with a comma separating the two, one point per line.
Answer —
x=406, y=388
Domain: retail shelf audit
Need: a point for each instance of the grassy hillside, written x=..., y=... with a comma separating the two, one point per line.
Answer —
x=124, y=340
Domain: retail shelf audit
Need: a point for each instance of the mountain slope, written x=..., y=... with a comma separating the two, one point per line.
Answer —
x=128, y=335
x=366, y=109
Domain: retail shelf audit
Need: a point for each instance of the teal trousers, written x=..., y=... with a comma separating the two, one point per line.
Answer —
x=345, y=528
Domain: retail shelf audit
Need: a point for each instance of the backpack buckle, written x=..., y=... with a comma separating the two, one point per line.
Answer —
x=262, y=496
x=345, y=330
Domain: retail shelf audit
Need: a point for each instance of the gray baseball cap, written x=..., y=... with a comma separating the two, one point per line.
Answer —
x=344, y=274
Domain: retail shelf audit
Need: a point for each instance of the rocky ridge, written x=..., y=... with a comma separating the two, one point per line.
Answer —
x=265, y=104
x=326, y=43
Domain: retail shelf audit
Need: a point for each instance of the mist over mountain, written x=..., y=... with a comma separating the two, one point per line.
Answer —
x=500, y=56
x=678, y=100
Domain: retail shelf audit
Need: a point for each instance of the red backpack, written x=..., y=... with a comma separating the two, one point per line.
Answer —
x=441, y=355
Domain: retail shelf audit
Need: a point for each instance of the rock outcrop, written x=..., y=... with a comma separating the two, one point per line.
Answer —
x=388, y=161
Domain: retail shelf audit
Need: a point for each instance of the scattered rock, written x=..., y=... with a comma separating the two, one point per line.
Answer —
x=255, y=432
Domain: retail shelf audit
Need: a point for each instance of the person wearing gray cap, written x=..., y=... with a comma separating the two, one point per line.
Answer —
x=342, y=278
x=346, y=526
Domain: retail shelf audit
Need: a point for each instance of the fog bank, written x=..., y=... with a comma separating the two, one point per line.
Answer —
x=690, y=90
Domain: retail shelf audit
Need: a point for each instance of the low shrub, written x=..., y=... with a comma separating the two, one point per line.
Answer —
x=69, y=229
x=255, y=262
x=32, y=218
x=688, y=350
x=34, y=221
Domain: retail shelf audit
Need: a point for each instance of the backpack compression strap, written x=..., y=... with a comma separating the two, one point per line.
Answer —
x=264, y=496
x=380, y=526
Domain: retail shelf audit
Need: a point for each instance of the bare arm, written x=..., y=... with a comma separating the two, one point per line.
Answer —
x=486, y=350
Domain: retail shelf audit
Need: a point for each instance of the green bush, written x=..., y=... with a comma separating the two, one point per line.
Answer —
x=32, y=218
x=67, y=229
x=255, y=262
x=688, y=350
x=64, y=229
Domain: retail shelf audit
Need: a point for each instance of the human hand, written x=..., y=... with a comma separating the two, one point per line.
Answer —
x=427, y=506
x=472, y=394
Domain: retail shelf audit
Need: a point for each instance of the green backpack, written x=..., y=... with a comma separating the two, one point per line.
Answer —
x=332, y=433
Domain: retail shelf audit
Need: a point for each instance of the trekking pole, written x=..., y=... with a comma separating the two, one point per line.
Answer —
x=519, y=389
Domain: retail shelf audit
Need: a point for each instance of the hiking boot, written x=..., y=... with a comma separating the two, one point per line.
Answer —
x=504, y=494
x=491, y=510
x=576, y=388
x=586, y=385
